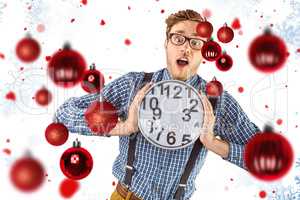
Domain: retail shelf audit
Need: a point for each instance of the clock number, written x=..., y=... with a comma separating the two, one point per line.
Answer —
x=185, y=139
x=193, y=108
x=187, y=116
x=171, y=138
x=159, y=133
x=176, y=96
x=151, y=129
x=189, y=92
x=155, y=109
x=144, y=104
x=162, y=89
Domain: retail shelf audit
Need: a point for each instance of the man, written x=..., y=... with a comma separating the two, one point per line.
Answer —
x=157, y=171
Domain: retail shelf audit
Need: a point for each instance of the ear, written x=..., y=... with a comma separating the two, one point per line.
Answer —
x=166, y=43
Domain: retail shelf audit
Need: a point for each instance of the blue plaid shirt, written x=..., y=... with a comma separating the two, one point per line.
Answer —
x=158, y=171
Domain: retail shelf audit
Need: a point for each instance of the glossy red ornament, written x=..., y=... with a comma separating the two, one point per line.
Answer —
x=56, y=134
x=27, y=174
x=224, y=62
x=211, y=50
x=28, y=49
x=267, y=52
x=225, y=34
x=268, y=155
x=204, y=29
x=66, y=67
x=214, y=88
x=43, y=97
x=76, y=162
x=93, y=80
x=101, y=117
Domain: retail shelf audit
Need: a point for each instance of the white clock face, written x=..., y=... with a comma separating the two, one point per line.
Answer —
x=171, y=115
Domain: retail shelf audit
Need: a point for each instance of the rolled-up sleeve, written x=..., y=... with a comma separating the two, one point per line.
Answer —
x=235, y=127
x=71, y=112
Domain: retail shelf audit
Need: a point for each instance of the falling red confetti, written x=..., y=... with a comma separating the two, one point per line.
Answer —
x=110, y=77
x=261, y=16
x=10, y=96
x=241, y=89
x=68, y=188
x=266, y=106
x=129, y=8
x=206, y=13
x=236, y=24
x=271, y=25
x=127, y=42
x=72, y=20
x=102, y=23
x=237, y=46
x=40, y=28
x=162, y=11
x=84, y=2
x=262, y=194
x=7, y=151
x=48, y=58
x=279, y=121
x=203, y=62
x=25, y=29
x=113, y=183
x=2, y=56
x=21, y=68
x=296, y=126
x=231, y=179
x=8, y=140
x=298, y=50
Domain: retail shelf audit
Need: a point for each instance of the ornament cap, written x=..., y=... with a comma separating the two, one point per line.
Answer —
x=76, y=143
x=92, y=66
x=267, y=31
x=67, y=46
x=268, y=128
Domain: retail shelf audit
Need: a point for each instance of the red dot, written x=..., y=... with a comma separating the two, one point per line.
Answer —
x=241, y=89
x=266, y=106
x=84, y=2
x=48, y=58
x=8, y=140
x=236, y=24
x=162, y=11
x=127, y=42
x=262, y=194
x=271, y=25
x=68, y=188
x=296, y=126
x=206, y=13
x=231, y=179
x=279, y=121
x=2, y=56
x=129, y=8
x=21, y=68
x=113, y=183
x=72, y=20
x=40, y=28
x=7, y=151
x=10, y=96
x=203, y=62
x=237, y=46
x=110, y=77
x=25, y=29
x=102, y=23
x=298, y=50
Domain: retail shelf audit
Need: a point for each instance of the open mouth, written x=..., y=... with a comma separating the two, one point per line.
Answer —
x=182, y=62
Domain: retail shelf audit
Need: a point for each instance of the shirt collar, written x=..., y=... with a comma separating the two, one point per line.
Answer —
x=193, y=80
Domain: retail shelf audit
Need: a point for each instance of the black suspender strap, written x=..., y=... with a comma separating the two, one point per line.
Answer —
x=132, y=142
x=191, y=162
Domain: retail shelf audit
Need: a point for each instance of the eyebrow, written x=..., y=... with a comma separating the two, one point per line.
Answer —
x=181, y=31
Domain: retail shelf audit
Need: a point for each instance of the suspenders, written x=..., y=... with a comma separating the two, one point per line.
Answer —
x=189, y=166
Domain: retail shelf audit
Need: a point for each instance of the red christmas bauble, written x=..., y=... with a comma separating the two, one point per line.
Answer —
x=268, y=156
x=56, y=134
x=27, y=174
x=28, y=49
x=214, y=88
x=43, y=97
x=224, y=62
x=211, y=50
x=101, y=117
x=66, y=67
x=76, y=162
x=93, y=80
x=204, y=29
x=68, y=188
x=225, y=34
x=267, y=52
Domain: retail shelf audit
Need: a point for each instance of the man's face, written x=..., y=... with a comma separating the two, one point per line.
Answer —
x=182, y=60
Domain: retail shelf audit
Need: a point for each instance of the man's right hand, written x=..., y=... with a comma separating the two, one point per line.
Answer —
x=130, y=125
x=132, y=119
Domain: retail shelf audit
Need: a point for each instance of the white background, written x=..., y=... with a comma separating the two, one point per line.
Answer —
x=24, y=122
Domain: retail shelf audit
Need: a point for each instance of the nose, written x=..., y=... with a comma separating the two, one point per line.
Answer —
x=187, y=48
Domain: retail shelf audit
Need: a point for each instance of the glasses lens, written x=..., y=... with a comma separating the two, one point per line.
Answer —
x=196, y=43
x=177, y=39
